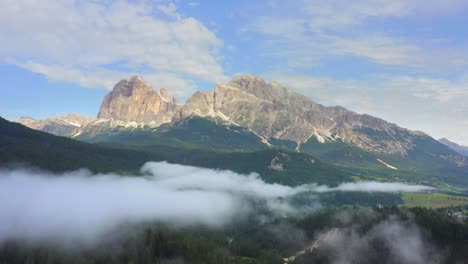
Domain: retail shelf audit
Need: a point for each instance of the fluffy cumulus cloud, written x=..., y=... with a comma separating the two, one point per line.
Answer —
x=94, y=43
x=80, y=206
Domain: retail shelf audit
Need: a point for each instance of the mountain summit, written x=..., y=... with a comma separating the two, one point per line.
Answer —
x=274, y=111
x=136, y=100
x=271, y=113
x=63, y=125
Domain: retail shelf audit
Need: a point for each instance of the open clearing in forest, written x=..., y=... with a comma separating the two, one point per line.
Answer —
x=433, y=200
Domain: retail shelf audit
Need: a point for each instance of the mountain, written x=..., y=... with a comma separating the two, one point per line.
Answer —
x=290, y=120
x=274, y=111
x=458, y=148
x=134, y=100
x=249, y=114
x=131, y=104
x=20, y=145
x=269, y=110
x=66, y=125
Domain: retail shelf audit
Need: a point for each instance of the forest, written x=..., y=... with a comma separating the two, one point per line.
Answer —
x=328, y=235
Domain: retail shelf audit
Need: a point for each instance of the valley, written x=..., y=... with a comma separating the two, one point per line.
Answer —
x=233, y=132
x=248, y=114
x=300, y=194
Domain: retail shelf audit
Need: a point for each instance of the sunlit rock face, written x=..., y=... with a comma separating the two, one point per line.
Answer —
x=269, y=109
x=274, y=111
x=135, y=100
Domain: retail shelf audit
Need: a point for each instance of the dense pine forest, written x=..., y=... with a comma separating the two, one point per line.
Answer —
x=325, y=236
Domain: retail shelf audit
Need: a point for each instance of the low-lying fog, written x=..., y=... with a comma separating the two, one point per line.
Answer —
x=79, y=205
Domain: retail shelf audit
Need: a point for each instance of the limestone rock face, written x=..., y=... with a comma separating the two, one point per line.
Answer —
x=134, y=100
x=274, y=111
x=270, y=110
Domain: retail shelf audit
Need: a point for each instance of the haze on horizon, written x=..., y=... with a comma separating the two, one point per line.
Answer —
x=404, y=61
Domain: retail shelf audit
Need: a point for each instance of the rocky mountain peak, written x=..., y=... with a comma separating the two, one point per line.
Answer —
x=26, y=119
x=269, y=109
x=164, y=92
x=136, y=100
x=76, y=119
x=62, y=126
x=274, y=111
x=248, y=81
x=127, y=87
x=270, y=91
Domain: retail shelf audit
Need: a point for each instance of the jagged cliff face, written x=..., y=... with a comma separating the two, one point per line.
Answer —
x=268, y=109
x=134, y=100
x=274, y=111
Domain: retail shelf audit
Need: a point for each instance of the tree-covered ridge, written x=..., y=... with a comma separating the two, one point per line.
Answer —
x=23, y=146
x=444, y=236
x=126, y=153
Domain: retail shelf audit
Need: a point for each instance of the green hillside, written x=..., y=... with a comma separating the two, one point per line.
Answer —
x=428, y=161
x=127, y=152
x=217, y=145
x=20, y=145
x=189, y=133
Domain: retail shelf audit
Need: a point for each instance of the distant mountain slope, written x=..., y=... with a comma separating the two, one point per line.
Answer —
x=20, y=145
x=204, y=133
x=250, y=114
x=273, y=165
x=66, y=125
x=209, y=142
x=24, y=146
x=270, y=110
x=188, y=133
x=458, y=148
x=274, y=111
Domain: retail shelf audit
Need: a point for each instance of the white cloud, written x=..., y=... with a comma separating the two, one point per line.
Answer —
x=82, y=207
x=169, y=9
x=319, y=30
x=335, y=14
x=403, y=241
x=338, y=13
x=99, y=78
x=292, y=40
x=379, y=49
x=102, y=78
x=287, y=28
x=91, y=41
x=75, y=207
x=178, y=87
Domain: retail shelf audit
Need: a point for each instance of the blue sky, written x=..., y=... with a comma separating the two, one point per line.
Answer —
x=402, y=60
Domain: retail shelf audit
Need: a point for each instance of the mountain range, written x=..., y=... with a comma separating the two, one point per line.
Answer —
x=250, y=114
x=458, y=148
